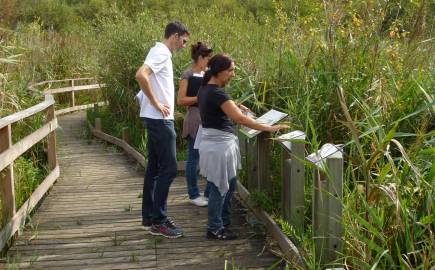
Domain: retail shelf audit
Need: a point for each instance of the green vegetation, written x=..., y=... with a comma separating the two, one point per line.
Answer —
x=356, y=72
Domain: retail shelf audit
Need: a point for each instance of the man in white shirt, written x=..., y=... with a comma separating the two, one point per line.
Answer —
x=156, y=80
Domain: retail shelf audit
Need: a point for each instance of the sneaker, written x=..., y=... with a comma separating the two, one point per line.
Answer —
x=200, y=201
x=222, y=234
x=146, y=224
x=171, y=224
x=166, y=229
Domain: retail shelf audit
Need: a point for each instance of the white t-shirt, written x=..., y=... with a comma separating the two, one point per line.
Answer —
x=161, y=80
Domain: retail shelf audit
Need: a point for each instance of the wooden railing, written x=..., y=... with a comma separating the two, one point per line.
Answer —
x=14, y=219
x=71, y=88
x=326, y=191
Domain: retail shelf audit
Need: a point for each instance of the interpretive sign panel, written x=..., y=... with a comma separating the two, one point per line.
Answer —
x=270, y=118
x=327, y=150
x=287, y=139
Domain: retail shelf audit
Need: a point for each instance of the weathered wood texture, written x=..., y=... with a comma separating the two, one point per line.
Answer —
x=327, y=209
x=92, y=219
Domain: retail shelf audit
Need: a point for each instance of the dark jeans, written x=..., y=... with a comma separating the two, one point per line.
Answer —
x=161, y=169
x=219, y=206
x=192, y=171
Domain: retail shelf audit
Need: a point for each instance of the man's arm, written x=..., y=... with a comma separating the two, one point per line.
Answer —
x=142, y=77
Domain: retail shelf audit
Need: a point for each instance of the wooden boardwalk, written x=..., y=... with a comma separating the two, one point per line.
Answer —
x=91, y=219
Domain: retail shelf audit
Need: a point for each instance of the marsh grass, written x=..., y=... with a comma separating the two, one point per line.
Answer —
x=359, y=73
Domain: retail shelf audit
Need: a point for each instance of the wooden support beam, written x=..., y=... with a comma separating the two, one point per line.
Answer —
x=327, y=208
x=293, y=173
x=125, y=134
x=251, y=162
x=7, y=190
x=98, y=124
x=51, y=140
x=264, y=183
x=73, y=102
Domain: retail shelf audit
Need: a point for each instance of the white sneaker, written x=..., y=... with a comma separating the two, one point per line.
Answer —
x=200, y=201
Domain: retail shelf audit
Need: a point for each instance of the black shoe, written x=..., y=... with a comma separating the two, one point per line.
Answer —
x=146, y=224
x=222, y=234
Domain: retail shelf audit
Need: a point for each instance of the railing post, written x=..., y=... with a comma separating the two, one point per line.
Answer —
x=264, y=183
x=251, y=161
x=125, y=134
x=98, y=124
x=95, y=107
x=293, y=179
x=73, y=102
x=327, y=207
x=51, y=140
x=7, y=190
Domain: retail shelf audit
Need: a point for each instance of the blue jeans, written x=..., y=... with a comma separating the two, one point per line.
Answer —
x=192, y=171
x=219, y=206
x=161, y=169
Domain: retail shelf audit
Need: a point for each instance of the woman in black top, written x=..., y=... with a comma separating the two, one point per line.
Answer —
x=219, y=149
x=190, y=82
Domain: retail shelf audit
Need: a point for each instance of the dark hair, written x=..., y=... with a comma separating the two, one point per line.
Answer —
x=199, y=49
x=175, y=27
x=216, y=64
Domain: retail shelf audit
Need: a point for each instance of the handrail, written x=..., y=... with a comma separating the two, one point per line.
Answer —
x=73, y=88
x=9, y=152
x=10, y=119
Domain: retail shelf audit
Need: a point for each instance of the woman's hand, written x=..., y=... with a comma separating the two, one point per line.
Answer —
x=277, y=127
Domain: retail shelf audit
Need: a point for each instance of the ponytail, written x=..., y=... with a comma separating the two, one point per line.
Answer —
x=207, y=77
x=216, y=64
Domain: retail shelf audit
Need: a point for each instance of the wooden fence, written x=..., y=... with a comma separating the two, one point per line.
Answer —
x=326, y=190
x=14, y=219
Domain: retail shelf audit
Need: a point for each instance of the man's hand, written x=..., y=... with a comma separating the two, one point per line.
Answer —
x=163, y=109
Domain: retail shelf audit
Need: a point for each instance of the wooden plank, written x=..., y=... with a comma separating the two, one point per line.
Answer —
x=327, y=209
x=20, y=217
x=127, y=148
x=251, y=168
x=293, y=184
x=125, y=134
x=286, y=182
x=7, y=190
x=10, y=119
x=97, y=125
x=264, y=183
x=51, y=140
x=74, y=88
x=78, y=108
x=287, y=247
x=26, y=143
x=143, y=261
